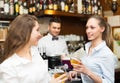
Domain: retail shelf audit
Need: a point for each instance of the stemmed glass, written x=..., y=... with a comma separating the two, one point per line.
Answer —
x=73, y=61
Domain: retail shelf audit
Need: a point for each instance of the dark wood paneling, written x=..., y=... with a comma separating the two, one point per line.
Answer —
x=73, y=25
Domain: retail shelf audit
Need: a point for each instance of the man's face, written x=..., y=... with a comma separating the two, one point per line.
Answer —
x=54, y=28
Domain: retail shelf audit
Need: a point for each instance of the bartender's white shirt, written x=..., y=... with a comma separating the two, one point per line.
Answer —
x=52, y=48
x=20, y=70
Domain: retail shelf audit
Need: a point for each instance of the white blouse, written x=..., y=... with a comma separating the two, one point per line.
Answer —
x=20, y=70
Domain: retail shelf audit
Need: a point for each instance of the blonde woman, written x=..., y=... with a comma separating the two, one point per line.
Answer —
x=98, y=65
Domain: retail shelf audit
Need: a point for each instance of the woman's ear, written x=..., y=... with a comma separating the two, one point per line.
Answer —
x=102, y=29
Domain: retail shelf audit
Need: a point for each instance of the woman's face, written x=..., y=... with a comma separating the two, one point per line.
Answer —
x=35, y=34
x=93, y=30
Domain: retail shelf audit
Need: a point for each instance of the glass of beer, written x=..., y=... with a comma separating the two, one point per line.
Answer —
x=59, y=70
x=73, y=61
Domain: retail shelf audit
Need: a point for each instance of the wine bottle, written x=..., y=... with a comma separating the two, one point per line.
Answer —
x=1, y=6
x=16, y=7
x=6, y=7
x=25, y=8
x=55, y=5
x=99, y=9
x=44, y=56
x=62, y=5
x=41, y=5
x=50, y=5
x=66, y=7
x=34, y=6
x=30, y=7
x=20, y=7
x=11, y=8
x=95, y=6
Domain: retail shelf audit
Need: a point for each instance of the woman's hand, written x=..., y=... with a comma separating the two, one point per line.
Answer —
x=72, y=74
x=81, y=68
x=59, y=79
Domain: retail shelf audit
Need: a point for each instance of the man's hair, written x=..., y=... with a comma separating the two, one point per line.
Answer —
x=54, y=19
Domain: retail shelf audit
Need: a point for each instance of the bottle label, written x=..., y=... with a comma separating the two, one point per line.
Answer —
x=6, y=8
x=21, y=9
x=11, y=9
x=50, y=6
x=66, y=8
x=30, y=10
x=40, y=7
x=55, y=7
x=33, y=9
x=17, y=8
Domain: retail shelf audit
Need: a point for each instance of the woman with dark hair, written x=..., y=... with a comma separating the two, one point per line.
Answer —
x=21, y=62
x=98, y=65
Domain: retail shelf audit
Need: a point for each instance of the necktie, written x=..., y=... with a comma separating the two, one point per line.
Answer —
x=54, y=38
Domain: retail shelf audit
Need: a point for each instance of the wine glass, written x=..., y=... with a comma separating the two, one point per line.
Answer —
x=73, y=61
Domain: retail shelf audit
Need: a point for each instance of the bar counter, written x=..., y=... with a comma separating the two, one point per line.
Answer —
x=117, y=75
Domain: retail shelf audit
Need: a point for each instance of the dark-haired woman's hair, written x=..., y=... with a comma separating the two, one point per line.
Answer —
x=18, y=35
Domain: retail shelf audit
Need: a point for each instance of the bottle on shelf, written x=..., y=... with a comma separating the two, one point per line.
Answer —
x=100, y=9
x=25, y=8
x=30, y=10
x=70, y=4
x=95, y=7
x=62, y=3
x=44, y=5
x=89, y=7
x=67, y=7
x=37, y=5
x=34, y=6
x=55, y=5
x=11, y=8
x=50, y=5
x=41, y=5
x=1, y=6
x=79, y=6
x=59, y=5
x=20, y=7
x=83, y=6
x=92, y=3
x=44, y=56
x=16, y=7
x=6, y=7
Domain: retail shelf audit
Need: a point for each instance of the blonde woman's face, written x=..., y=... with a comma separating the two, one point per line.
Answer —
x=93, y=30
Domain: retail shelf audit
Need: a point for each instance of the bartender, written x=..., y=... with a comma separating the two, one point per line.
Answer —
x=52, y=44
